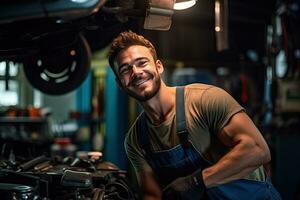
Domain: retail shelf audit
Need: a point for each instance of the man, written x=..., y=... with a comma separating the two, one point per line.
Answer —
x=194, y=142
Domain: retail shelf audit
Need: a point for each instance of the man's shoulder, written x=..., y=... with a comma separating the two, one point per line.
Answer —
x=132, y=132
x=205, y=88
x=199, y=86
x=205, y=94
x=195, y=91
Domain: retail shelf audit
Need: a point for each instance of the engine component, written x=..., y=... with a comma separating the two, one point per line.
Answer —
x=33, y=179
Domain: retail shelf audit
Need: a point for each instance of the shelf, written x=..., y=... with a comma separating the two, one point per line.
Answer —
x=22, y=120
x=29, y=142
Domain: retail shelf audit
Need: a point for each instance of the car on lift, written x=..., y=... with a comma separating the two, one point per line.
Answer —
x=54, y=39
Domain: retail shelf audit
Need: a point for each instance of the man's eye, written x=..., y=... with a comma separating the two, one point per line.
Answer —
x=124, y=70
x=143, y=62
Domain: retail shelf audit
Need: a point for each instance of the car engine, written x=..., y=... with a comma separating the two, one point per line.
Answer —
x=55, y=178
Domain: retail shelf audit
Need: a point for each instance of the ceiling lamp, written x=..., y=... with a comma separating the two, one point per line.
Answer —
x=159, y=15
x=184, y=4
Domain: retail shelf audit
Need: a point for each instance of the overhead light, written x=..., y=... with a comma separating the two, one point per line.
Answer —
x=181, y=4
x=221, y=24
x=159, y=15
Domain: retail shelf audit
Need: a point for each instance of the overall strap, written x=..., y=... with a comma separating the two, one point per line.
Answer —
x=142, y=128
x=142, y=134
x=180, y=117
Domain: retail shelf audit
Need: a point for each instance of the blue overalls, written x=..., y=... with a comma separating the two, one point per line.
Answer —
x=184, y=159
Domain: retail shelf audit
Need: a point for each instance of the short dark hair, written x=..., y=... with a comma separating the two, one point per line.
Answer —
x=125, y=40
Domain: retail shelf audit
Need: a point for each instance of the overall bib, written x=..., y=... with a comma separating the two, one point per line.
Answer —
x=184, y=159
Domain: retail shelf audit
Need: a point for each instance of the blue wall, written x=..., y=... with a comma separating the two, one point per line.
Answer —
x=116, y=119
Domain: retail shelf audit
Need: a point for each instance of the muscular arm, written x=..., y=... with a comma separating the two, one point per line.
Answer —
x=249, y=151
x=150, y=188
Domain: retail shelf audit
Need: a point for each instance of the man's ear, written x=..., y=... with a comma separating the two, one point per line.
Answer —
x=160, y=66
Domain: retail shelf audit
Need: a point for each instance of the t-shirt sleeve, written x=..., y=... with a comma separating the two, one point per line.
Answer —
x=218, y=107
x=134, y=152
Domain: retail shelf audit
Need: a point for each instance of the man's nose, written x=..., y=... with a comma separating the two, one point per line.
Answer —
x=135, y=69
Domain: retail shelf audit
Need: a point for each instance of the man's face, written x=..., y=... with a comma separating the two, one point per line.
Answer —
x=138, y=73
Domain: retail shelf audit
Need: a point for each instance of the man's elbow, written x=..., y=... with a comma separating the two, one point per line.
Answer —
x=261, y=152
x=265, y=155
x=268, y=157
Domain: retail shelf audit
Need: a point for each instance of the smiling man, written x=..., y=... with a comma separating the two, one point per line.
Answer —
x=191, y=142
x=133, y=61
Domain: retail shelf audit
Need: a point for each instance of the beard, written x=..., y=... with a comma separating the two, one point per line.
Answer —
x=146, y=94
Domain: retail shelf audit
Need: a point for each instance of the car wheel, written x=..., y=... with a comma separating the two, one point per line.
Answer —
x=59, y=69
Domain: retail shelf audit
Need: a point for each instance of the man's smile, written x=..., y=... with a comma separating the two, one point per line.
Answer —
x=140, y=82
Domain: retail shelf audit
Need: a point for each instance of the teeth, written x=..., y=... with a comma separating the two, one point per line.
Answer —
x=140, y=82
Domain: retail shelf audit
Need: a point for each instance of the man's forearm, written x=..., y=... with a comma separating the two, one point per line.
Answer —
x=238, y=163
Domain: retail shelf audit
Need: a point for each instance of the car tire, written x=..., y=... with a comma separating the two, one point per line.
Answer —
x=59, y=69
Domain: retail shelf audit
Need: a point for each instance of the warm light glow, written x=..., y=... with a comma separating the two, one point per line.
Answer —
x=217, y=7
x=217, y=16
x=72, y=52
x=184, y=4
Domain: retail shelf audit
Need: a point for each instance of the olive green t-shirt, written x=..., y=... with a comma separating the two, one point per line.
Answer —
x=207, y=110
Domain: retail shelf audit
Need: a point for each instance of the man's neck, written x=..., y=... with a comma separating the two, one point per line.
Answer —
x=158, y=108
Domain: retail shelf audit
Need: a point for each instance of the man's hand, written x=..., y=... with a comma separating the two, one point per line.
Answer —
x=188, y=187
